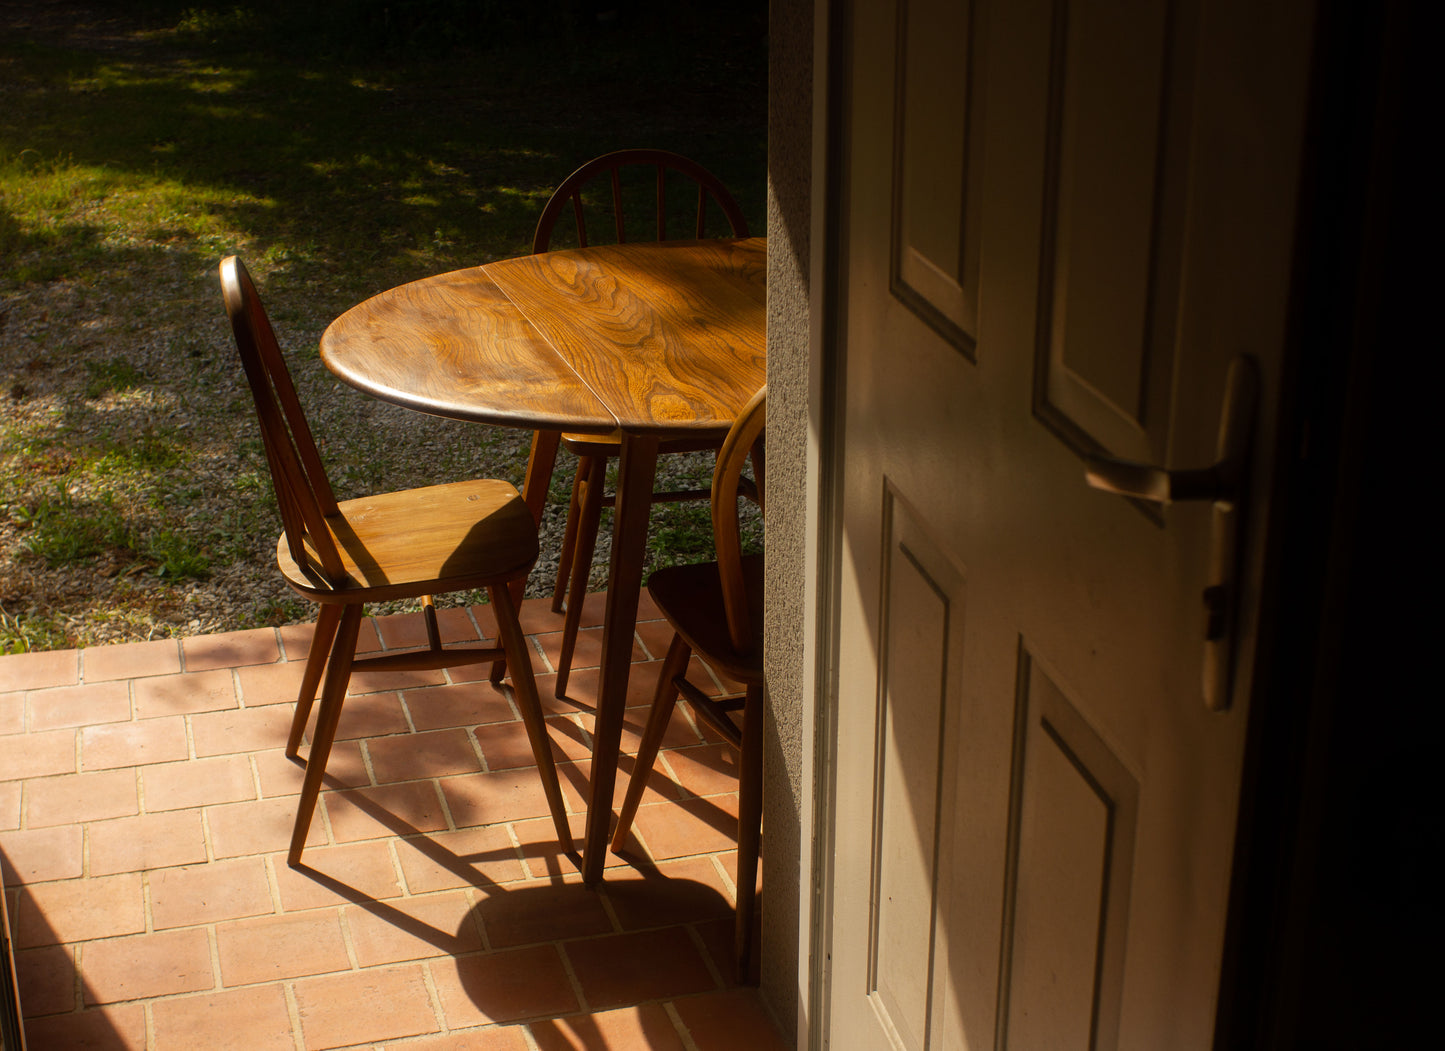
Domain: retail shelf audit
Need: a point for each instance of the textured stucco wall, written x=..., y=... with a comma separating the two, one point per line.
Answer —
x=790, y=108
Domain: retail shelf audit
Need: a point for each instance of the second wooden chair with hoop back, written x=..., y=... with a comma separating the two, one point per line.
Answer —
x=404, y=545
x=716, y=611
x=664, y=171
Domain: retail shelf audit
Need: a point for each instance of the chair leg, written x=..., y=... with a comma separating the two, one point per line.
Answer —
x=525, y=688
x=663, y=701
x=540, y=462
x=338, y=675
x=569, y=536
x=535, y=487
x=750, y=824
x=327, y=617
x=587, y=526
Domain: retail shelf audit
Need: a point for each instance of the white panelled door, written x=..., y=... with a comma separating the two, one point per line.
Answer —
x=1062, y=222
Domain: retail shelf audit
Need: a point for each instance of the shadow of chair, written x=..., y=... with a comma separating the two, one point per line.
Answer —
x=716, y=611
x=589, y=495
x=411, y=544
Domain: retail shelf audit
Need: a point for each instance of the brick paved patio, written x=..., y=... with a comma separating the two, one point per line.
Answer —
x=145, y=808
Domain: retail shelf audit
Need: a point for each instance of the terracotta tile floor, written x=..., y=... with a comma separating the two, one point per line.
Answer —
x=145, y=808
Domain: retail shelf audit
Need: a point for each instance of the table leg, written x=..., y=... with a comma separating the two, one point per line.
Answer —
x=624, y=582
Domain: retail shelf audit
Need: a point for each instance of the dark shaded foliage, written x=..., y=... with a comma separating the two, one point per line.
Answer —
x=353, y=28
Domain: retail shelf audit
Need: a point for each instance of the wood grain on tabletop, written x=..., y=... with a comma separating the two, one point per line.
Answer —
x=454, y=345
x=670, y=335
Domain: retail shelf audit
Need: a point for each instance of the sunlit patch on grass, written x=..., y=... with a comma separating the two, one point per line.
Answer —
x=203, y=21
x=149, y=452
x=108, y=376
x=59, y=528
x=57, y=207
x=22, y=632
x=217, y=112
x=518, y=193
x=177, y=556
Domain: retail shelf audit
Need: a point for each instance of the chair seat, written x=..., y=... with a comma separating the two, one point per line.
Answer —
x=432, y=540
x=611, y=444
x=690, y=597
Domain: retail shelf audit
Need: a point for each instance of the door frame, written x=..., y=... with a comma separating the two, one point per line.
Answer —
x=1356, y=284
x=1309, y=844
x=832, y=58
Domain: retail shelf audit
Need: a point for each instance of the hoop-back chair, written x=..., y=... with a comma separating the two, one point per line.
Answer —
x=716, y=611
x=588, y=487
x=411, y=544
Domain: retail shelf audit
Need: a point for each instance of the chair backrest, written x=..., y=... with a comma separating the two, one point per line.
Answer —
x=737, y=449
x=302, y=490
x=611, y=165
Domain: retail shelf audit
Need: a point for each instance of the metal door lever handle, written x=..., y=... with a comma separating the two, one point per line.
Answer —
x=1144, y=481
x=1225, y=484
x=1220, y=483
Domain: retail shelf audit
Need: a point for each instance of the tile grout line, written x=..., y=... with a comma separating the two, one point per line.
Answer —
x=670, y=772
x=253, y=763
x=535, y=641
x=471, y=732
x=218, y=984
x=190, y=736
x=528, y=1037
x=207, y=841
x=85, y=836
x=363, y=745
x=518, y=850
x=713, y=969
x=434, y=998
x=683, y=1032
x=273, y=883
x=343, y=920
x=446, y=811
x=722, y=870
x=147, y=904
x=406, y=706
x=397, y=870
x=560, y=947
x=293, y=1011
x=474, y=915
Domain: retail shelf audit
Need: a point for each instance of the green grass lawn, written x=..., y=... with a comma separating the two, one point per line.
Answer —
x=339, y=156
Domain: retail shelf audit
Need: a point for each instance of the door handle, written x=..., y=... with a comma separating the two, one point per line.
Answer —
x=1225, y=484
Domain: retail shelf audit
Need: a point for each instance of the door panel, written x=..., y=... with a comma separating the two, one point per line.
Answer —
x=1071, y=848
x=922, y=623
x=938, y=99
x=1032, y=811
x=1113, y=201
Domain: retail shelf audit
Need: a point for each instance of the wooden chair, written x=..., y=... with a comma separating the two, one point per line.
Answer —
x=411, y=544
x=716, y=611
x=588, y=487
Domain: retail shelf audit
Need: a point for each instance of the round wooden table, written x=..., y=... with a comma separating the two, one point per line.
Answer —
x=653, y=340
